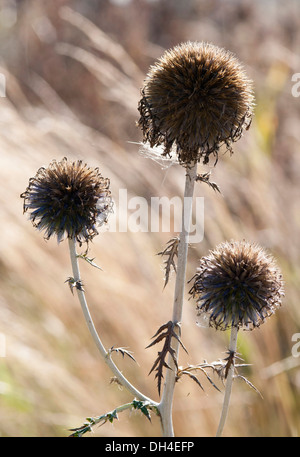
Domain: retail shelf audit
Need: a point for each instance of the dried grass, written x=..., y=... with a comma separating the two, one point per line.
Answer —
x=77, y=97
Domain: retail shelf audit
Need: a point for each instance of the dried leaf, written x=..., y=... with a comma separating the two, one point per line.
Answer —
x=249, y=384
x=193, y=377
x=166, y=332
x=73, y=283
x=220, y=367
x=171, y=251
x=88, y=260
x=122, y=351
x=229, y=362
x=200, y=367
x=115, y=380
x=204, y=177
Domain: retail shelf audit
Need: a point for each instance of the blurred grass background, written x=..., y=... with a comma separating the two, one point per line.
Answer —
x=73, y=73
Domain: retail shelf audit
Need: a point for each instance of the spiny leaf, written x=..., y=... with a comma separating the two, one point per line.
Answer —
x=88, y=260
x=249, y=384
x=143, y=406
x=115, y=380
x=91, y=421
x=166, y=332
x=193, y=377
x=171, y=251
x=230, y=361
x=200, y=367
x=73, y=283
x=220, y=367
x=122, y=351
x=111, y=416
x=204, y=177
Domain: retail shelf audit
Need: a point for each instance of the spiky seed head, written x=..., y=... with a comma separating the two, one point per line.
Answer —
x=237, y=285
x=197, y=98
x=68, y=199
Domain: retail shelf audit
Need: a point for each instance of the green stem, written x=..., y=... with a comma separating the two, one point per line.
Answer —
x=165, y=406
x=92, y=421
x=229, y=381
x=105, y=354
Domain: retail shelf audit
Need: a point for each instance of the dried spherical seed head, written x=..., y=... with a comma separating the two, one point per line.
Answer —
x=237, y=285
x=197, y=97
x=68, y=199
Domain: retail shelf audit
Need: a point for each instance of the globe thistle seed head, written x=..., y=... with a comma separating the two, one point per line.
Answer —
x=68, y=199
x=237, y=285
x=196, y=98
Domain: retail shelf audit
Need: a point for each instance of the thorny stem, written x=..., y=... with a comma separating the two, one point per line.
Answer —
x=165, y=405
x=105, y=354
x=229, y=381
x=92, y=421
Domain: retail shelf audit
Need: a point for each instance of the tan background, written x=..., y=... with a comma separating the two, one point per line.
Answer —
x=73, y=73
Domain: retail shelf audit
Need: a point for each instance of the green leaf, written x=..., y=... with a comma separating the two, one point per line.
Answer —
x=143, y=407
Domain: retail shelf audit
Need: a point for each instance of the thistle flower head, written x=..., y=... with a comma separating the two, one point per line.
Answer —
x=196, y=97
x=68, y=199
x=237, y=285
